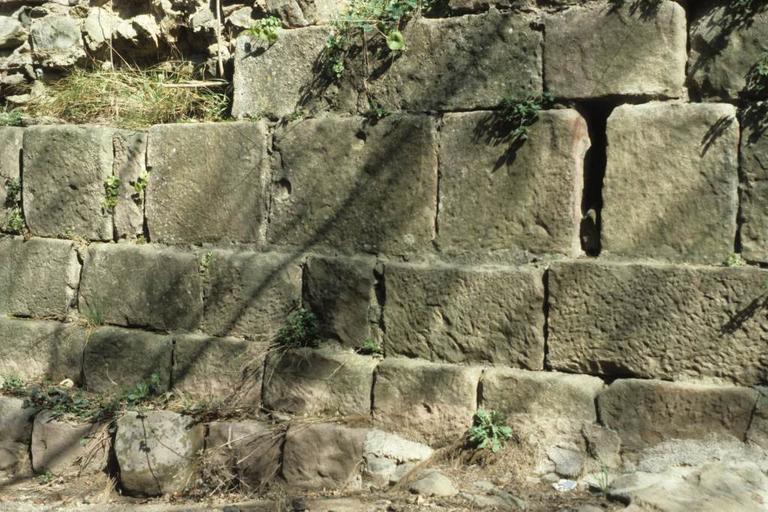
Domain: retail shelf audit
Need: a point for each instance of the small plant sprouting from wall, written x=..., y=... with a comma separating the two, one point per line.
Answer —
x=111, y=191
x=735, y=260
x=14, y=221
x=267, y=29
x=10, y=117
x=519, y=115
x=369, y=347
x=300, y=330
x=140, y=186
x=489, y=430
x=757, y=78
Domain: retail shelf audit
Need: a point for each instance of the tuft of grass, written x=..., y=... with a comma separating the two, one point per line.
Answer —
x=10, y=117
x=300, y=330
x=369, y=347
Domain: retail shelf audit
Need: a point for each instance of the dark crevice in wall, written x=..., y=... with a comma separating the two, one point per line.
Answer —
x=479, y=393
x=751, y=417
x=380, y=296
x=742, y=184
x=373, y=395
x=436, y=228
x=545, y=307
x=171, y=379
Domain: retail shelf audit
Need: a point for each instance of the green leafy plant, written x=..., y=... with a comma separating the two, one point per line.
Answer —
x=205, y=262
x=757, y=77
x=300, y=330
x=266, y=29
x=46, y=477
x=370, y=347
x=143, y=391
x=521, y=114
x=377, y=111
x=489, y=430
x=61, y=401
x=140, y=184
x=14, y=221
x=13, y=385
x=735, y=260
x=10, y=117
x=111, y=190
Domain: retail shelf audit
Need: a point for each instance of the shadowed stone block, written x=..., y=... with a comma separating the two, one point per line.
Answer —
x=66, y=448
x=15, y=437
x=253, y=448
x=754, y=187
x=758, y=428
x=130, y=164
x=10, y=166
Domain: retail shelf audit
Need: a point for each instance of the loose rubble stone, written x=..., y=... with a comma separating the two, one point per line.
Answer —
x=249, y=294
x=65, y=448
x=356, y=187
x=686, y=215
x=753, y=231
x=758, y=428
x=56, y=41
x=657, y=320
x=155, y=451
x=603, y=444
x=568, y=463
x=496, y=194
x=646, y=412
x=251, y=447
x=65, y=168
x=12, y=32
x=606, y=49
x=460, y=314
x=134, y=285
x=206, y=182
x=99, y=26
x=387, y=456
x=433, y=483
x=319, y=382
x=15, y=437
x=130, y=150
x=412, y=396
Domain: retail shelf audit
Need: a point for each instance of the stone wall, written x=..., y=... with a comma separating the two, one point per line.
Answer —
x=575, y=281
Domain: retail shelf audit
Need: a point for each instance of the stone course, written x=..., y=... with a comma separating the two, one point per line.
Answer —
x=753, y=231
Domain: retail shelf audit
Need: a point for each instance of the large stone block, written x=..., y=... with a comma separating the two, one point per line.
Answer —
x=658, y=321
x=462, y=63
x=56, y=41
x=133, y=285
x=253, y=449
x=10, y=166
x=754, y=187
x=15, y=437
x=430, y=402
x=460, y=314
x=605, y=49
x=65, y=169
x=249, y=294
x=355, y=186
x=496, y=196
x=319, y=382
x=65, y=448
x=646, y=412
x=206, y=182
x=38, y=278
x=130, y=165
x=688, y=214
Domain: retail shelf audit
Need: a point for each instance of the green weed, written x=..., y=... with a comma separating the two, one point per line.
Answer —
x=300, y=330
x=489, y=430
x=111, y=191
x=369, y=347
x=735, y=260
x=13, y=385
x=266, y=29
x=10, y=117
x=521, y=114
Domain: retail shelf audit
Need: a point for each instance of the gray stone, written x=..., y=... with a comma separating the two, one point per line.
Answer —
x=56, y=41
x=206, y=183
x=356, y=187
x=604, y=49
x=692, y=214
x=753, y=231
x=300, y=13
x=467, y=63
x=134, y=285
x=12, y=32
x=461, y=314
x=15, y=436
x=568, y=463
x=758, y=427
x=433, y=483
x=319, y=382
x=98, y=28
x=387, y=456
x=130, y=150
x=494, y=195
x=64, y=448
x=38, y=278
x=241, y=18
x=603, y=444
x=657, y=321
x=647, y=412
x=694, y=452
x=249, y=294
x=251, y=447
x=65, y=168
x=412, y=397
x=155, y=451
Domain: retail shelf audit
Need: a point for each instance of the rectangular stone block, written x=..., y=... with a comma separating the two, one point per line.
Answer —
x=248, y=294
x=461, y=314
x=646, y=412
x=429, y=402
x=462, y=63
x=252, y=448
x=146, y=286
x=130, y=166
x=495, y=197
x=10, y=177
x=65, y=448
x=38, y=277
x=206, y=182
x=658, y=321
x=753, y=231
x=319, y=382
x=651, y=211
x=609, y=49
x=65, y=169
x=354, y=186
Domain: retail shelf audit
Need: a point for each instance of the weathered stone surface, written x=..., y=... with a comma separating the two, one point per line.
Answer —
x=433, y=483
x=322, y=456
x=12, y=32
x=252, y=448
x=15, y=436
x=341, y=293
x=647, y=412
x=494, y=195
x=412, y=396
x=319, y=382
x=10, y=162
x=116, y=359
x=388, y=456
x=300, y=13
x=467, y=62
x=56, y=41
x=355, y=186
x=206, y=183
x=460, y=314
x=754, y=187
x=249, y=294
x=155, y=451
x=603, y=444
x=130, y=158
x=606, y=49
x=657, y=320
x=134, y=285
x=39, y=350
x=98, y=28
x=38, y=278
x=65, y=168
x=568, y=463
x=65, y=448
x=758, y=428
x=689, y=214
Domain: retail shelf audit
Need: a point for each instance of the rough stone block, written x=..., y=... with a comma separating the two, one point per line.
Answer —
x=38, y=278
x=657, y=321
x=301, y=13
x=688, y=214
x=430, y=402
x=319, y=382
x=10, y=166
x=65, y=168
x=467, y=62
x=116, y=359
x=341, y=294
x=130, y=165
x=155, y=451
x=461, y=314
x=647, y=412
x=754, y=187
x=355, y=186
x=56, y=41
x=15, y=437
x=605, y=49
x=133, y=285
x=249, y=294
x=494, y=196
x=65, y=448
x=206, y=182
x=253, y=448
x=758, y=428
